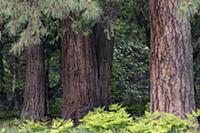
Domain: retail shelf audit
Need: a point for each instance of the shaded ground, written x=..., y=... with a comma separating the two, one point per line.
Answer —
x=7, y=117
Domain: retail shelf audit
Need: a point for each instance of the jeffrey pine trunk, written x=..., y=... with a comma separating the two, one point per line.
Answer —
x=171, y=60
x=34, y=95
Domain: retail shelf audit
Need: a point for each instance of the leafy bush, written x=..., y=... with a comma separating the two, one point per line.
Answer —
x=163, y=123
x=56, y=107
x=116, y=120
x=101, y=121
x=113, y=120
x=61, y=126
x=130, y=66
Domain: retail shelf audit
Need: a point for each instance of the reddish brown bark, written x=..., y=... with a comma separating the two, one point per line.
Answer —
x=171, y=60
x=86, y=72
x=77, y=72
x=34, y=95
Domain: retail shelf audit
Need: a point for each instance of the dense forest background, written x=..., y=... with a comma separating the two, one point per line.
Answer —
x=62, y=59
x=130, y=80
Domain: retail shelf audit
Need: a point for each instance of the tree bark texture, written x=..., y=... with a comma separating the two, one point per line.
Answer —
x=86, y=72
x=77, y=73
x=1, y=61
x=171, y=60
x=34, y=95
x=1, y=68
x=2, y=81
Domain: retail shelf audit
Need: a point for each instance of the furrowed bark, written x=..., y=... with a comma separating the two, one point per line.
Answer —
x=1, y=68
x=171, y=60
x=77, y=72
x=1, y=61
x=34, y=95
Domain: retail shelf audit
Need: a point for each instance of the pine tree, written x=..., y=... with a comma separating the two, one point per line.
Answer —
x=171, y=62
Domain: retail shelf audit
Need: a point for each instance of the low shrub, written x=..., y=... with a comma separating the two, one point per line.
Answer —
x=113, y=120
x=56, y=107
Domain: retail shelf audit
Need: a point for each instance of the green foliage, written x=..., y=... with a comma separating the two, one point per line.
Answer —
x=130, y=78
x=188, y=8
x=163, y=123
x=196, y=56
x=56, y=107
x=6, y=117
x=26, y=19
x=61, y=126
x=114, y=120
x=117, y=120
x=100, y=121
x=30, y=126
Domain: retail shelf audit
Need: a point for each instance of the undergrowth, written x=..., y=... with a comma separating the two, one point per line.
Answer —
x=114, y=120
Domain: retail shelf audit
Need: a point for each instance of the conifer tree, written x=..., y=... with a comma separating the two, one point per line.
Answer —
x=172, y=88
x=34, y=95
x=26, y=23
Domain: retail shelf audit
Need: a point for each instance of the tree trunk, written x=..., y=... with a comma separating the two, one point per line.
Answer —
x=34, y=95
x=86, y=72
x=1, y=68
x=77, y=73
x=171, y=60
x=104, y=55
x=2, y=82
x=86, y=69
x=1, y=62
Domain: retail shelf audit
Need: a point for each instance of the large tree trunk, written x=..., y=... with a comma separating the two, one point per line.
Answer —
x=34, y=96
x=86, y=72
x=171, y=60
x=77, y=73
